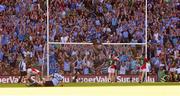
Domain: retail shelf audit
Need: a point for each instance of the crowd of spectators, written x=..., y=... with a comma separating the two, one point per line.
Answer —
x=164, y=35
x=22, y=33
x=114, y=21
x=95, y=59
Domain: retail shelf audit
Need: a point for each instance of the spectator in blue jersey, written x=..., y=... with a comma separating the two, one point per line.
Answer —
x=67, y=66
x=78, y=65
x=133, y=65
x=1, y=55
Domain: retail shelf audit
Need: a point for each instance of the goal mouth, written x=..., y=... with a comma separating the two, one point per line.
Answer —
x=71, y=52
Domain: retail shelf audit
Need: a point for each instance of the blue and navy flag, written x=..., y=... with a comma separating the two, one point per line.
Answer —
x=2, y=8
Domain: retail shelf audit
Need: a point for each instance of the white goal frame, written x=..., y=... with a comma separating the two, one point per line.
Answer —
x=49, y=43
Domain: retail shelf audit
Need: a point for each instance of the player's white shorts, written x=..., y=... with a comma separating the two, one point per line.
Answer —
x=111, y=70
x=172, y=70
x=142, y=70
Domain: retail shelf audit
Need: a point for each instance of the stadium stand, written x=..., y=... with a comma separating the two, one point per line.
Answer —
x=114, y=21
x=163, y=35
x=22, y=32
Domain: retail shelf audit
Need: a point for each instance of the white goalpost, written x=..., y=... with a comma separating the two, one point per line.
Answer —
x=47, y=38
x=59, y=43
x=146, y=35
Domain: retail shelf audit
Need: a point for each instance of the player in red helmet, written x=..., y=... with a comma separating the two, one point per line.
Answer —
x=143, y=69
x=112, y=70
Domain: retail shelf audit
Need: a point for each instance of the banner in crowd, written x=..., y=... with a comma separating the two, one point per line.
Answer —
x=87, y=78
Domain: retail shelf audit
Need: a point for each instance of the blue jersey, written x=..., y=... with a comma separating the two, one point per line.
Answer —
x=57, y=78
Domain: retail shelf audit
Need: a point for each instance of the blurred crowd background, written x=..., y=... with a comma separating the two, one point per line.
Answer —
x=22, y=33
x=114, y=21
x=164, y=36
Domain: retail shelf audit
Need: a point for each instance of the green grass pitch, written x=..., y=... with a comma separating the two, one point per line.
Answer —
x=101, y=84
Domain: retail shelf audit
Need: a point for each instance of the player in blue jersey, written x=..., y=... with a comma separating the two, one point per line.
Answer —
x=54, y=80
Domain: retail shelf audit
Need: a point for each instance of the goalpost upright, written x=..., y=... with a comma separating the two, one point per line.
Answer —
x=47, y=37
x=146, y=35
